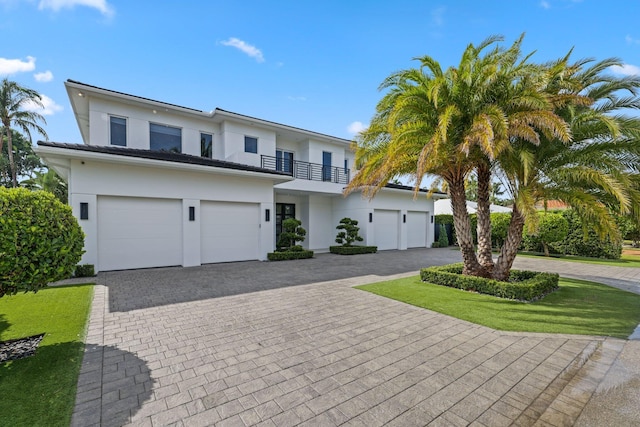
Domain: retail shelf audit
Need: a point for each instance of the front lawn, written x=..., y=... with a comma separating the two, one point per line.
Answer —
x=40, y=390
x=578, y=307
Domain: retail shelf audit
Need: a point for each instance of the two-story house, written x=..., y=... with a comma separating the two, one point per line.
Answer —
x=157, y=184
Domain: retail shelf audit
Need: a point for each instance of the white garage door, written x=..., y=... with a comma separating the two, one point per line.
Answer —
x=229, y=231
x=139, y=233
x=386, y=229
x=416, y=229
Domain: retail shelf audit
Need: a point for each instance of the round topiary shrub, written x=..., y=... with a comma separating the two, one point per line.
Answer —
x=41, y=240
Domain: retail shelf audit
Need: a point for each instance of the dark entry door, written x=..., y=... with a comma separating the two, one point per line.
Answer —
x=283, y=211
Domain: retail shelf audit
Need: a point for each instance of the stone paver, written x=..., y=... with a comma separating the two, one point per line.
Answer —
x=180, y=348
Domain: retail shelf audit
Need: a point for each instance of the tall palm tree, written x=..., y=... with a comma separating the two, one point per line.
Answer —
x=597, y=172
x=448, y=123
x=13, y=100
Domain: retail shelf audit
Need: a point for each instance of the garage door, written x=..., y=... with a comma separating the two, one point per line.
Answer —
x=416, y=229
x=139, y=233
x=386, y=229
x=230, y=231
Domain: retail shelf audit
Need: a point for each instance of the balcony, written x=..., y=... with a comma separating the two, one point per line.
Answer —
x=306, y=170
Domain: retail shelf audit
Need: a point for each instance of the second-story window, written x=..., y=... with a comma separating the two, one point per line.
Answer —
x=206, y=145
x=165, y=138
x=250, y=144
x=284, y=161
x=118, y=131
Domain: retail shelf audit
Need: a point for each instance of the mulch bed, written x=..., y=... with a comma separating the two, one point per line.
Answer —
x=19, y=348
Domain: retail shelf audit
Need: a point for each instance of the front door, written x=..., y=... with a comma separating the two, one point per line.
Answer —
x=326, y=166
x=283, y=211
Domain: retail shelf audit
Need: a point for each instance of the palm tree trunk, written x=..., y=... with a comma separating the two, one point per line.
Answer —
x=12, y=164
x=483, y=213
x=462, y=224
x=510, y=246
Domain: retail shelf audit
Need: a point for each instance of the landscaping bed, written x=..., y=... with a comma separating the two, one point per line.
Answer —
x=288, y=255
x=353, y=250
x=522, y=285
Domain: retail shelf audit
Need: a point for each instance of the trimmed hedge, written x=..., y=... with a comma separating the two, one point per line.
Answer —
x=287, y=255
x=40, y=241
x=353, y=250
x=522, y=285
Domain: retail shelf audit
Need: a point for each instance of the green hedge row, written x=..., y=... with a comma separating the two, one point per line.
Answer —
x=353, y=250
x=287, y=255
x=522, y=285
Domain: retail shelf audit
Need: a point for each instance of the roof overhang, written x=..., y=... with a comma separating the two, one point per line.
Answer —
x=59, y=158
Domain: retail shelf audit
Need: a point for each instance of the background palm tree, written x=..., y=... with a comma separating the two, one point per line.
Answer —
x=13, y=101
x=47, y=181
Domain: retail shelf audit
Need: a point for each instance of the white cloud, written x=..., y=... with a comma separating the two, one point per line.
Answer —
x=545, y=4
x=12, y=66
x=250, y=50
x=50, y=106
x=356, y=127
x=631, y=40
x=44, y=77
x=296, y=98
x=626, y=70
x=101, y=5
x=437, y=16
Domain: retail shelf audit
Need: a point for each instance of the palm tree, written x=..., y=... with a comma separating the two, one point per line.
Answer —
x=48, y=181
x=448, y=123
x=13, y=100
x=597, y=172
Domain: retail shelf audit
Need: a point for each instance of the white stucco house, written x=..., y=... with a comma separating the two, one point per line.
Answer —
x=155, y=184
x=443, y=207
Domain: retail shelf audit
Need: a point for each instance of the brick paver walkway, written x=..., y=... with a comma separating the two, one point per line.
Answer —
x=322, y=354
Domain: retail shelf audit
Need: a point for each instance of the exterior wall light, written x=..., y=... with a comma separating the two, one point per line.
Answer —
x=84, y=210
x=370, y=216
x=192, y=213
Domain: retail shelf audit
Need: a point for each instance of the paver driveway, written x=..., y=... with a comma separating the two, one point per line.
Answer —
x=177, y=347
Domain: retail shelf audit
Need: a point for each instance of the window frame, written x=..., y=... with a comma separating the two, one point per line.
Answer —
x=126, y=130
x=210, y=156
x=164, y=126
x=256, y=144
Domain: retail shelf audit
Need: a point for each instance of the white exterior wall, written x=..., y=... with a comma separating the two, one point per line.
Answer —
x=233, y=142
x=138, y=120
x=356, y=207
x=321, y=231
x=92, y=179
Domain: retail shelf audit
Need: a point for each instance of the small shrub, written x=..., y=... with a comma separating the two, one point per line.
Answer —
x=292, y=233
x=288, y=255
x=435, y=245
x=84, y=270
x=522, y=285
x=443, y=240
x=349, y=232
x=499, y=227
x=353, y=250
x=41, y=240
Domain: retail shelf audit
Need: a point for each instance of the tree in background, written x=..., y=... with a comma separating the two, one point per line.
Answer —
x=14, y=99
x=47, y=180
x=26, y=161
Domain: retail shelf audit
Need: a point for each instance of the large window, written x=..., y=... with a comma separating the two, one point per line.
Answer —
x=250, y=144
x=326, y=166
x=284, y=161
x=118, y=131
x=165, y=138
x=206, y=145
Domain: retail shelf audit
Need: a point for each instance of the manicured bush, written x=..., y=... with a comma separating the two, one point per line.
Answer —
x=84, y=270
x=349, y=232
x=292, y=233
x=443, y=240
x=41, y=240
x=353, y=250
x=435, y=245
x=287, y=255
x=522, y=285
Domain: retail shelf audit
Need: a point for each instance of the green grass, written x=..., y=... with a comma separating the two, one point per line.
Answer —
x=40, y=390
x=578, y=307
x=624, y=261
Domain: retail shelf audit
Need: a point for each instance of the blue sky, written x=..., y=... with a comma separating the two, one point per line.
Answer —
x=314, y=65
